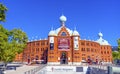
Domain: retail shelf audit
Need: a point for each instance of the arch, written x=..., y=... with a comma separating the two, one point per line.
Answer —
x=64, y=58
x=63, y=32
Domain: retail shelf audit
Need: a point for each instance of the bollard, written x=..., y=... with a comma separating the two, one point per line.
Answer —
x=110, y=70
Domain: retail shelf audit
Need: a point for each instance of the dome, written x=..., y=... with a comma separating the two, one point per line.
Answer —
x=75, y=32
x=100, y=34
x=101, y=41
x=52, y=32
x=63, y=18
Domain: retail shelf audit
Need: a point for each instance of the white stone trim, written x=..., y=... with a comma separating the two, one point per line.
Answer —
x=106, y=62
x=76, y=63
x=69, y=63
x=53, y=63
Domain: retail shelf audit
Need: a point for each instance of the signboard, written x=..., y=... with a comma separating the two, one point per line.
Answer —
x=51, y=46
x=79, y=69
x=63, y=43
x=51, y=43
x=61, y=68
x=51, y=40
x=76, y=44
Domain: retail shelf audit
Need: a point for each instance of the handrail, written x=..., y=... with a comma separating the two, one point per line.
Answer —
x=34, y=70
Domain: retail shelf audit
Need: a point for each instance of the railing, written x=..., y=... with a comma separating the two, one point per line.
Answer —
x=108, y=69
x=113, y=69
x=35, y=70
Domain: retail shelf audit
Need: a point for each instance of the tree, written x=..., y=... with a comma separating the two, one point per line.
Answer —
x=116, y=54
x=19, y=39
x=3, y=40
x=11, y=43
x=118, y=44
x=3, y=10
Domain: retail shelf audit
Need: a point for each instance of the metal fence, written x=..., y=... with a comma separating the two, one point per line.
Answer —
x=113, y=69
x=35, y=70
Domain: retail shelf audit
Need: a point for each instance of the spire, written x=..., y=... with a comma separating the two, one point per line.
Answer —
x=52, y=28
x=75, y=28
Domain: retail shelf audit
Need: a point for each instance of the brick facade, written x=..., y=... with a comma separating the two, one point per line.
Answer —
x=66, y=48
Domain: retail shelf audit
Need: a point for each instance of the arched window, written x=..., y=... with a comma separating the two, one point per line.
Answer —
x=63, y=34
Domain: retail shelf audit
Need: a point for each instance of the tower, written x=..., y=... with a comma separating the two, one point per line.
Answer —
x=76, y=46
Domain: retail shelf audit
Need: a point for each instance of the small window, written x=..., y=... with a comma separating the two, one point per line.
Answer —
x=82, y=49
x=91, y=44
x=104, y=52
x=83, y=58
x=63, y=34
x=82, y=43
x=101, y=52
x=88, y=49
x=87, y=44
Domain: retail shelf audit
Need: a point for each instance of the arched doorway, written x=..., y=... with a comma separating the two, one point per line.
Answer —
x=63, y=58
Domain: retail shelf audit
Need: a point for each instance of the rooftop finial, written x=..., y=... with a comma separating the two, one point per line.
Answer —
x=63, y=20
x=100, y=34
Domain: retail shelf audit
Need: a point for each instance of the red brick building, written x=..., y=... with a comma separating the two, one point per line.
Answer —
x=64, y=46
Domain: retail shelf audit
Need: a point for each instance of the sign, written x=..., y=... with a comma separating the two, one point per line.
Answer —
x=51, y=46
x=51, y=40
x=61, y=68
x=63, y=43
x=76, y=44
x=79, y=69
x=51, y=43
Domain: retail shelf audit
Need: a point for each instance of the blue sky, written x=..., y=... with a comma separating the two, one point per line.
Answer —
x=36, y=17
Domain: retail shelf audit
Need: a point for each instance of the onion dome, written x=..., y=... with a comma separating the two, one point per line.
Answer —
x=75, y=33
x=52, y=33
x=101, y=41
x=100, y=34
x=63, y=18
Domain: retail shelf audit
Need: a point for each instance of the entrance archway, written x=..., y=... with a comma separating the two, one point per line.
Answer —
x=63, y=58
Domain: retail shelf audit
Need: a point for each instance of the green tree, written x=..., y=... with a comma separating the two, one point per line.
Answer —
x=19, y=39
x=116, y=54
x=3, y=10
x=118, y=44
x=11, y=43
x=3, y=40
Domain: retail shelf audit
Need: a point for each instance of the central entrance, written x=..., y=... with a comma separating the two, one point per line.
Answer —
x=63, y=58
